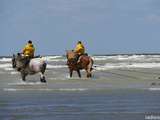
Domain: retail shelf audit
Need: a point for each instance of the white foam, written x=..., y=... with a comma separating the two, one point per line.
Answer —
x=14, y=72
x=129, y=61
x=72, y=89
x=127, y=65
x=144, y=65
x=5, y=65
x=128, y=58
x=133, y=57
x=46, y=89
x=8, y=69
x=5, y=59
x=53, y=58
x=154, y=89
x=27, y=83
x=56, y=66
x=98, y=58
x=9, y=89
x=115, y=57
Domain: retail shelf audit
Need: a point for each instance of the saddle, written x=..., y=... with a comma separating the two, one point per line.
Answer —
x=79, y=56
x=28, y=59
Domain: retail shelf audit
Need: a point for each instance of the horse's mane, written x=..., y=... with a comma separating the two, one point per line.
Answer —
x=71, y=54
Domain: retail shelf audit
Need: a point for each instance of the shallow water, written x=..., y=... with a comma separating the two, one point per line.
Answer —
x=111, y=104
x=122, y=91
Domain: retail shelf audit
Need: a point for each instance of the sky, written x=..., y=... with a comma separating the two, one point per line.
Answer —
x=104, y=26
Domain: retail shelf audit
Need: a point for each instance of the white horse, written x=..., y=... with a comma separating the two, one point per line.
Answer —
x=35, y=65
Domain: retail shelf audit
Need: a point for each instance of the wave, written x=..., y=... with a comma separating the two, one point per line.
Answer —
x=14, y=72
x=127, y=65
x=128, y=58
x=98, y=58
x=5, y=59
x=27, y=83
x=8, y=69
x=6, y=65
x=113, y=62
x=55, y=66
x=46, y=89
x=154, y=89
x=121, y=58
x=54, y=58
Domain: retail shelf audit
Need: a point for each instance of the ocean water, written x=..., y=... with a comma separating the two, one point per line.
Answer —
x=123, y=87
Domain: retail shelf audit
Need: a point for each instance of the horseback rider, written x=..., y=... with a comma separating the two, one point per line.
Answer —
x=77, y=60
x=79, y=50
x=28, y=52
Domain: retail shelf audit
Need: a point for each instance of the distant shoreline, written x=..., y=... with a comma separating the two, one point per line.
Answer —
x=112, y=54
x=129, y=54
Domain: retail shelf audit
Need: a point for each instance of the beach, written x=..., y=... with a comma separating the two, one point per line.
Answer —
x=123, y=87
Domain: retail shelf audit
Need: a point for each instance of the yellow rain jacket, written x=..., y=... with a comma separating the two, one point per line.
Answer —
x=80, y=49
x=28, y=50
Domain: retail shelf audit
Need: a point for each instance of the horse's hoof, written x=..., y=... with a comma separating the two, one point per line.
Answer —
x=43, y=80
x=153, y=83
x=89, y=76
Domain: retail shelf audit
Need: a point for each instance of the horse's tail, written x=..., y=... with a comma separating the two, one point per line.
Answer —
x=90, y=65
x=89, y=68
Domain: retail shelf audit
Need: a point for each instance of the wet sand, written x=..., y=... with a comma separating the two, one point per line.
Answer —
x=102, y=80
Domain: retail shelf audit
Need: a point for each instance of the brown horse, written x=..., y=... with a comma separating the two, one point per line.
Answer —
x=86, y=63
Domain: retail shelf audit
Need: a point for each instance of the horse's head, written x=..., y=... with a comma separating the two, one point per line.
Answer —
x=18, y=61
x=71, y=55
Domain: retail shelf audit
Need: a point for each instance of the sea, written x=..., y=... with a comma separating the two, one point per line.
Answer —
x=123, y=87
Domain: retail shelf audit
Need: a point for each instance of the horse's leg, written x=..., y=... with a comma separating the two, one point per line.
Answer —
x=88, y=70
x=23, y=75
x=87, y=73
x=42, y=77
x=79, y=73
x=71, y=72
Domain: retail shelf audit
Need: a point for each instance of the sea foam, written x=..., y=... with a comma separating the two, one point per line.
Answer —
x=5, y=59
x=127, y=65
x=46, y=89
x=5, y=65
x=55, y=66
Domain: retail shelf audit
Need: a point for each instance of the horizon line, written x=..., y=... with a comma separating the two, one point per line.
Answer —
x=108, y=54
